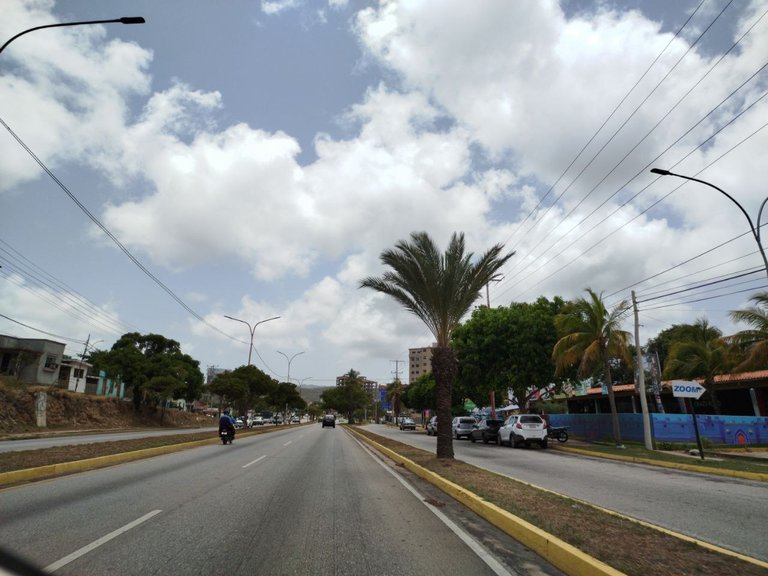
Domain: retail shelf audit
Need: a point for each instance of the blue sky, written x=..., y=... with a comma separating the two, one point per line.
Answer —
x=257, y=157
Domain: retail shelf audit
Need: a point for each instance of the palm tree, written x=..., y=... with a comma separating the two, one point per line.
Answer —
x=590, y=336
x=754, y=341
x=439, y=289
x=702, y=354
x=394, y=391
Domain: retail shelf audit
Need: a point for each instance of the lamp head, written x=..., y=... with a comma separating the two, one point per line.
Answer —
x=132, y=20
x=660, y=172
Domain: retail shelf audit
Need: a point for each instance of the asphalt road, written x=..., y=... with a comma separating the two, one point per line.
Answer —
x=303, y=500
x=727, y=512
x=69, y=440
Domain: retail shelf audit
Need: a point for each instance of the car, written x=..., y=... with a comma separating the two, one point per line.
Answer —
x=329, y=420
x=239, y=423
x=462, y=426
x=407, y=424
x=295, y=420
x=432, y=426
x=524, y=429
x=486, y=430
x=258, y=421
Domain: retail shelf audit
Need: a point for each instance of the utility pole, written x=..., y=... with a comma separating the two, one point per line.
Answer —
x=641, y=379
x=82, y=359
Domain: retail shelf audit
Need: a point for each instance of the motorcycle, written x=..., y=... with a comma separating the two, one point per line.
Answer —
x=559, y=433
x=226, y=436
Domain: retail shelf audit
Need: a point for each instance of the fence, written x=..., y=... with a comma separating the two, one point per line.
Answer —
x=733, y=430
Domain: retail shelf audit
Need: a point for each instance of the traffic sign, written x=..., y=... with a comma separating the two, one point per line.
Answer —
x=687, y=389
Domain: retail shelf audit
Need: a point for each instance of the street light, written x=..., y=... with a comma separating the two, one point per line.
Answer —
x=288, y=378
x=251, y=329
x=755, y=229
x=123, y=20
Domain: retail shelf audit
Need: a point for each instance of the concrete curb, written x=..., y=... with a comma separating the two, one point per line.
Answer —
x=559, y=553
x=757, y=476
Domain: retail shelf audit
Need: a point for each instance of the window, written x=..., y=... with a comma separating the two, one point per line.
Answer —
x=79, y=372
x=50, y=362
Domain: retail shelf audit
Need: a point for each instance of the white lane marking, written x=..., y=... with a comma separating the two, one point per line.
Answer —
x=481, y=552
x=289, y=442
x=257, y=460
x=96, y=543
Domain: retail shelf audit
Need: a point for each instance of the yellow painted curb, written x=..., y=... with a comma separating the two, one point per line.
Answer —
x=564, y=556
x=757, y=476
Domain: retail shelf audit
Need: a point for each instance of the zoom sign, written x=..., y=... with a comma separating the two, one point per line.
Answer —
x=687, y=389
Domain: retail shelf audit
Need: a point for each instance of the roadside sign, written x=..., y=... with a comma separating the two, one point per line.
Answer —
x=687, y=389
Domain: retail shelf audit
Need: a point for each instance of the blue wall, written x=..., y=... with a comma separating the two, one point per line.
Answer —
x=735, y=430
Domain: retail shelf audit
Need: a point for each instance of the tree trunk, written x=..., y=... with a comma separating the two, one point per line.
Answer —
x=612, y=401
x=444, y=369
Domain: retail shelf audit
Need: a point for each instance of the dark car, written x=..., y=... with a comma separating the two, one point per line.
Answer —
x=486, y=430
x=329, y=420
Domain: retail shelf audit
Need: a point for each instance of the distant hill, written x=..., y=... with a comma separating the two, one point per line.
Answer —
x=312, y=393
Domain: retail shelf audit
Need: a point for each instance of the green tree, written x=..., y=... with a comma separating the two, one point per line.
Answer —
x=285, y=397
x=590, y=337
x=230, y=387
x=136, y=359
x=420, y=394
x=703, y=354
x=754, y=341
x=439, y=289
x=348, y=397
x=507, y=348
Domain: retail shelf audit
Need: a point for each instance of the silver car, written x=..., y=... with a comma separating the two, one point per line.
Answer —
x=462, y=426
x=524, y=429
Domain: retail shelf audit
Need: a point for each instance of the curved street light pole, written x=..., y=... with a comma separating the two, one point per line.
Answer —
x=755, y=229
x=251, y=330
x=123, y=20
x=288, y=378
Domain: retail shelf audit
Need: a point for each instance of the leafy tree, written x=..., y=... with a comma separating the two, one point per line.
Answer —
x=348, y=397
x=420, y=394
x=703, y=354
x=136, y=359
x=754, y=341
x=590, y=336
x=664, y=341
x=507, y=348
x=230, y=387
x=259, y=387
x=439, y=289
x=286, y=395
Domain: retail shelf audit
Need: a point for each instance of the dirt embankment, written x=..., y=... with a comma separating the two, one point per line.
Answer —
x=70, y=411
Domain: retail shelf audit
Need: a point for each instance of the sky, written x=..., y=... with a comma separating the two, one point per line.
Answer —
x=253, y=159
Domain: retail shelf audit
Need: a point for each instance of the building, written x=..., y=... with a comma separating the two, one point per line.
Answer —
x=371, y=387
x=31, y=360
x=419, y=362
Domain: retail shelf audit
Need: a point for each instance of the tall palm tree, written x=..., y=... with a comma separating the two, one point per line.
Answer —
x=394, y=391
x=702, y=354
x=754, y=341
x=439, y=289
x=590, y=336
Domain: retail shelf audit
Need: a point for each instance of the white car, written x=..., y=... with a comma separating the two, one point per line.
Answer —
x=462, y=426
x=524, y=429
x=258, y=421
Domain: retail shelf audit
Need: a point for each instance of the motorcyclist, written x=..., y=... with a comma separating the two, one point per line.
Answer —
x=227, y=423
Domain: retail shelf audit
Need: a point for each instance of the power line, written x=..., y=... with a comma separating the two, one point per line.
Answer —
x=41, y=331
x=111, y=236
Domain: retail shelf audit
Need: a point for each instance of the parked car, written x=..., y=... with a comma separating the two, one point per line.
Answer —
x=407, y=424
x=462, y=426
x=295, y=420
x=258, y=421
x=486, y=430
x=432, y=426
x=524, y=429
x=239, y=423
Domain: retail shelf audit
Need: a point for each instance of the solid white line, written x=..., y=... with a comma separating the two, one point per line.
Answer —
x=481, y=552
x=254, y=462
x=289, y=442
x=96, y=543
